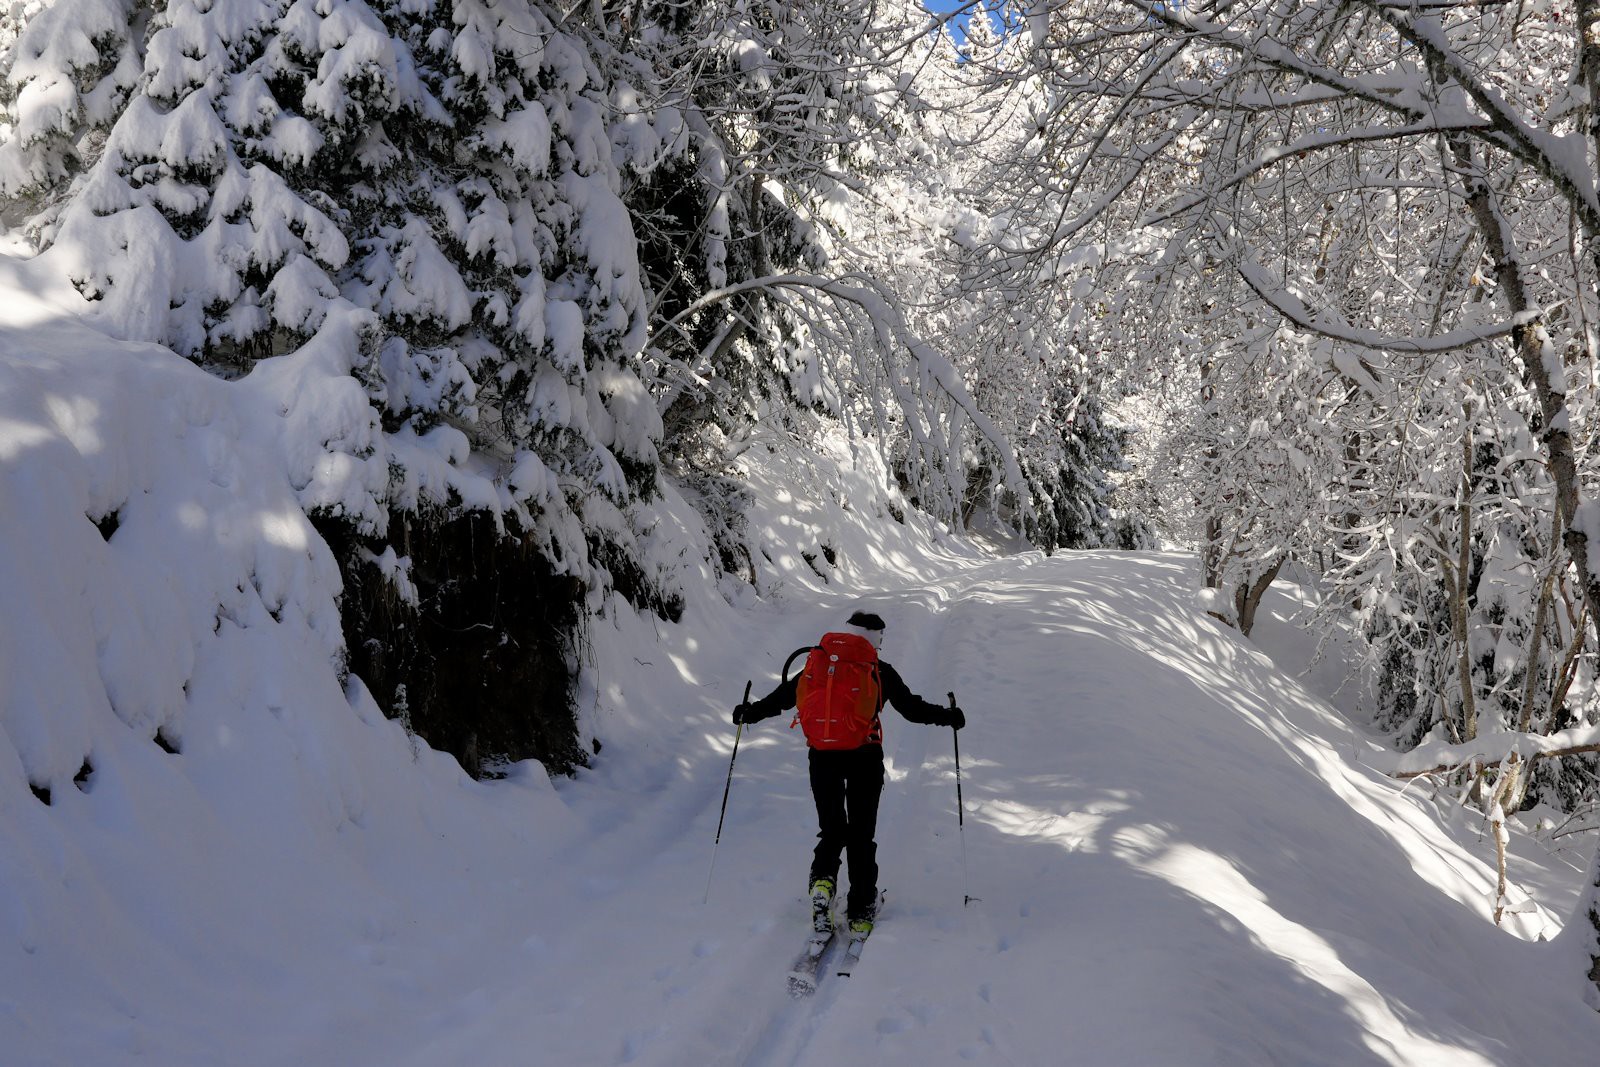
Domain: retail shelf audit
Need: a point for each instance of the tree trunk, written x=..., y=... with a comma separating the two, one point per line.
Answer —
x=1588, y=12
x=1247, y=597
x=1460, y=602
x=1211, y=553
x=1543, y=375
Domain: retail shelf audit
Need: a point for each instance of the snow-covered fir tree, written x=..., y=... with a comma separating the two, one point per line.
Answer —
x=428, y=195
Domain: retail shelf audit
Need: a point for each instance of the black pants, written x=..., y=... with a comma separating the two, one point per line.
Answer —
x=846, y=785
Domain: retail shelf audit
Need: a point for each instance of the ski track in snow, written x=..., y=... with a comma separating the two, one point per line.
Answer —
x=1064, y=951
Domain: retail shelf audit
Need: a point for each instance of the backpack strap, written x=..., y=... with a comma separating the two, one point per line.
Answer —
x=796, y=654
x=877, y=715
x=804, y=650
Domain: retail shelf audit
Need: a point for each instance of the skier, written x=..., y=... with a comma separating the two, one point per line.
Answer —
x=846, y=756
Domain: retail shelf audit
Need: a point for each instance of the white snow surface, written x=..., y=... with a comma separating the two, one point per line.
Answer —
x=1178, y=853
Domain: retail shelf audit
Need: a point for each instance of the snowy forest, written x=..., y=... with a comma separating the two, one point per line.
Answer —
x=467, y=397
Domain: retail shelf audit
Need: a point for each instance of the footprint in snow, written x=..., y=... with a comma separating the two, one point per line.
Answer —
x=972, y=1052
x=633, y=1045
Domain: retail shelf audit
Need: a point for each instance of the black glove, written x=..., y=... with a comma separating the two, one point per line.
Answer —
x=744, y=714
x=957, y=719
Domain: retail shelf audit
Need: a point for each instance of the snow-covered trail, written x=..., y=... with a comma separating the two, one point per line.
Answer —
x=1176, y=856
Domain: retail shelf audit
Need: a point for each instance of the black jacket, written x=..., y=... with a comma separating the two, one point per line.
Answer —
x=895, y=692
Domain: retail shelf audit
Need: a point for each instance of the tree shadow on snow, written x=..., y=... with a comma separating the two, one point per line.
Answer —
x=1233, y=880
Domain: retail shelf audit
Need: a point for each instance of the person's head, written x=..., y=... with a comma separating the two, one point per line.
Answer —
x=867, y=625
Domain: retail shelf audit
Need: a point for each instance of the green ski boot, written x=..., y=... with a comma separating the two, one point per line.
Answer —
x=822, y=905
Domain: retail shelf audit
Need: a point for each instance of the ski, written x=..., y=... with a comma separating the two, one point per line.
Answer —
x=803, y=976
x=852, y=956
x=852, y=949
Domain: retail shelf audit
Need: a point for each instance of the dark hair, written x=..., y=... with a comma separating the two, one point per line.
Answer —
x=866, y=620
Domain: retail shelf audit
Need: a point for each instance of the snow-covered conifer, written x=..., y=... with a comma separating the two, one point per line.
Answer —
x=66, y=70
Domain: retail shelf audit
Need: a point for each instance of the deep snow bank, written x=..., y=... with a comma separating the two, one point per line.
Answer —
x=188, y=796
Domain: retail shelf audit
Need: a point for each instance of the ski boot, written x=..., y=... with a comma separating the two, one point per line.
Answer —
x=822, y=905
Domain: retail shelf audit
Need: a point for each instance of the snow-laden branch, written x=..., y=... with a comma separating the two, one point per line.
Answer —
x=1157, y=65
x=1492, y=749
x=1299, y=313
x=1320, y=141
x=1560, y=159
x=1402, y=98
x=891, y=326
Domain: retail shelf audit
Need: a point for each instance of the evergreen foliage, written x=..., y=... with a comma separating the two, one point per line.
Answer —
x=438, y=183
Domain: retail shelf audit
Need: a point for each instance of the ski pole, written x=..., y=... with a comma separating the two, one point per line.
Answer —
x=725, y=788
x=961, y=821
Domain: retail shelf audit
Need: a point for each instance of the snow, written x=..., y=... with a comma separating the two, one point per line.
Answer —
x=524, y=135
x=1179, y=852
x=423, y=284
x=564, y=326
x=1038, y=24
x=54, y=43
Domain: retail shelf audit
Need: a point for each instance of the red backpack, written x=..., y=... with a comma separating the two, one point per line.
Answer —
x=838, y=696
